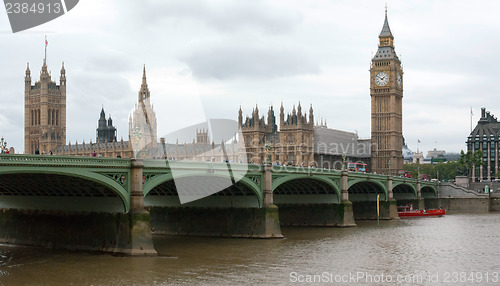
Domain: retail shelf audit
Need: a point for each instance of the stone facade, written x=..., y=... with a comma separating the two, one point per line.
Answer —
x=44, y=112
x=299, y=142
x=293, y=144
x=386, y=91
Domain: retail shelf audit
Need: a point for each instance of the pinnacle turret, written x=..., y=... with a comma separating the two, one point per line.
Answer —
x=144, y=91
x=144, y=82
x=386, y=43
x=103, y=115
x=386, y=31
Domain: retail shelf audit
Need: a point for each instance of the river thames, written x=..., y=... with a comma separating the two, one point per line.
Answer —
x=456, y=249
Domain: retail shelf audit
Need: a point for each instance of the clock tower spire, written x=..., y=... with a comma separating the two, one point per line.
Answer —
x=386, y=91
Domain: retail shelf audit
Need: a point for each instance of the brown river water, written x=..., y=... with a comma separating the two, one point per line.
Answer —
x=458, y=249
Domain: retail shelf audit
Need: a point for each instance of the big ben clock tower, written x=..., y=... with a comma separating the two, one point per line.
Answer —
x=386, y=91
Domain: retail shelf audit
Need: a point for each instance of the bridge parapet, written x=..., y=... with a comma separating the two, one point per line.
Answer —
x=62, y=161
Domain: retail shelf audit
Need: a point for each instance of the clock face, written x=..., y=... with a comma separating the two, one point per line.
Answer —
x=398, y=79
x=381, y=78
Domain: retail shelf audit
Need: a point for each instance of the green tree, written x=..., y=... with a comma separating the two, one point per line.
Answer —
x=443, y=171
x=470, y=160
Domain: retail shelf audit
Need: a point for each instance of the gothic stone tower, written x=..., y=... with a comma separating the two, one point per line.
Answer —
x=44, y=112
x=291, y=145
x=297, y=137
x=386, y=90
x=256, y=134
x=105, y=131
x=142, y=124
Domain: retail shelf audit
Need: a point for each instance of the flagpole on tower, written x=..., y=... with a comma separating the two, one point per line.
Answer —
x=471, y=114
x=45, y=58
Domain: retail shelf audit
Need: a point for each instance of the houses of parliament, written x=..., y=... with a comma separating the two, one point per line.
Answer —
x=293, y=139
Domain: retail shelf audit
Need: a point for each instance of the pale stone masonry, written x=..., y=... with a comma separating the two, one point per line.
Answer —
x=44, y=112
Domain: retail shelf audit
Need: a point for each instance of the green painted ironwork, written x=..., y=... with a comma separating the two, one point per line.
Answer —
x=115, y=174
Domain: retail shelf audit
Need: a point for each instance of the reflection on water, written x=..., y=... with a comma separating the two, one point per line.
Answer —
x=454, y=243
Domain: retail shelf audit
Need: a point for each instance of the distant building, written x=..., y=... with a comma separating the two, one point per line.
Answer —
x=105, y=131
x=407, y=153
x=435, y=153
x=331, y=146
x=418, y=157
x=485, y=137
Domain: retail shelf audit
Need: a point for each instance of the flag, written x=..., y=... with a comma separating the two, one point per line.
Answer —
x=46, y=42
x=471, y=113
x=418, y=140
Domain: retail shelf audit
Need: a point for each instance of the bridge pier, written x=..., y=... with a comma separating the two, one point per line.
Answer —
x=137, y=239
x=347, y=214
x=392, y=203
x=420, y=203
x=269, y=223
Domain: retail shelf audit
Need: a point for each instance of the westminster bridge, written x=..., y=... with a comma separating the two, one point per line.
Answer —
x=115, y=205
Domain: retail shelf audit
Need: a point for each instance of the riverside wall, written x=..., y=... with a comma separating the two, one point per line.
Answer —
x=455, y=198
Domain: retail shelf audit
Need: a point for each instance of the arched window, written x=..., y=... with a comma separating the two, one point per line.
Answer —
x=48, y=118
x=57, y=117
x=53, y=117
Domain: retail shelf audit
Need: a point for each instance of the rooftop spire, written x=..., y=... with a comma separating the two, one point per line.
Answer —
x=46, y=43
x=103, y=115
x=144, y=75
x=144, y=92
x=386, y=31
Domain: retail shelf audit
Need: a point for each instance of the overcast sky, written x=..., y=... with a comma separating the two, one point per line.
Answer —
x=206, y=58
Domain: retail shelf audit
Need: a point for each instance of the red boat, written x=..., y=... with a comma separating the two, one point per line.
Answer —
x=408, y=211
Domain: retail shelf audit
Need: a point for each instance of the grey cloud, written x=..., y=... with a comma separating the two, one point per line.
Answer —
x=225, y=16
x=227, y=62
x=87, y=93
x=111, y=62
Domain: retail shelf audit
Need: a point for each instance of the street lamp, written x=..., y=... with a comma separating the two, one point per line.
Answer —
x=389, y=167
x=343, y=161
x=3, y=145
x=268, y=148
x=137, y=135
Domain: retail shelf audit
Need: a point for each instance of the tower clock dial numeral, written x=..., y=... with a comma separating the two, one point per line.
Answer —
x=381, y=79
x=399, y=79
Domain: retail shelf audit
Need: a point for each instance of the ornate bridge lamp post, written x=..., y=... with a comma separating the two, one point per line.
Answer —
x=3, y=145
x=136, y=137
x=268, y=148
x=389, y=171
x=343, y=161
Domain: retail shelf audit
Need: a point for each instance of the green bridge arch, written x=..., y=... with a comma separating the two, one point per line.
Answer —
x=157, y=180
x=429, y=189
x=404, y=186
x=291, y=177
x=377, y=183
x=122, y=192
